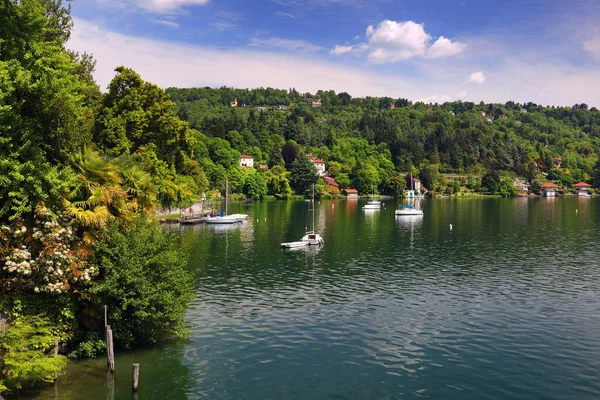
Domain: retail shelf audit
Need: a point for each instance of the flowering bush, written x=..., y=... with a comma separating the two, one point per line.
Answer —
x=42, y=256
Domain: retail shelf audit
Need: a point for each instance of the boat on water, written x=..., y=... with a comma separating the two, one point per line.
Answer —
x=373, y=204
x=223, y=218
x=410, y=209
x=311, y=238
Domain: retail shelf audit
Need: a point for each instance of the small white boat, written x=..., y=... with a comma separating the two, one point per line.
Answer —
x=372, y=205
x=224, y=218
x=408, y=210
x=310, y=238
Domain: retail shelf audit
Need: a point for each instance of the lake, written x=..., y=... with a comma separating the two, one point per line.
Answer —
x=505, y=305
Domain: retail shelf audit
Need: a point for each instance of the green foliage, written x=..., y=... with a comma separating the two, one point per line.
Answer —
x=303, y=175
x=144, y=281
x=26, y=355
x=255, y=186
x=92, y=346
x=507, y=188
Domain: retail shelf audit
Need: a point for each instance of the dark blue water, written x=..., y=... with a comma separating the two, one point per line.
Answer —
x=505, y=305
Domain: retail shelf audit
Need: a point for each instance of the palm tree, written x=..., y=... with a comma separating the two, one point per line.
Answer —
x=108, y=188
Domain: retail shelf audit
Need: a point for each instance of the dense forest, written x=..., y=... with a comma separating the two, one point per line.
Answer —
x=83, y=171
x=368, y=142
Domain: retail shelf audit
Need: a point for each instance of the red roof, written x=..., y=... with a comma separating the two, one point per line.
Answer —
x=549, y=186
x=351, y=191
x=416, y=180
x=317, y=161
x=559, y=158
x=582, y=184
x=245, y=156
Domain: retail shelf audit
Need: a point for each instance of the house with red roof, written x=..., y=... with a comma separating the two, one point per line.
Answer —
x=246, y=161
x=549, y=189
x=318, y=163
x=351, y=194
x=582, y=189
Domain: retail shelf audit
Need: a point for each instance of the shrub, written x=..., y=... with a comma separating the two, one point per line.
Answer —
x=144, y=281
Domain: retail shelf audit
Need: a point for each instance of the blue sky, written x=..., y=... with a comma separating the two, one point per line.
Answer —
x=545, y=51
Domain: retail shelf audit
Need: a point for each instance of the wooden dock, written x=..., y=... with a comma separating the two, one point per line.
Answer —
x=193, y=221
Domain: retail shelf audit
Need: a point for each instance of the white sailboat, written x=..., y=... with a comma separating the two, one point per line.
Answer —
x=311, y=238
x=373, y=204
x=224, y=218
x=410, y=209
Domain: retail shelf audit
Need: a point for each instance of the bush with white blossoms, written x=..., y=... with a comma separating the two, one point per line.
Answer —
x=43, y=256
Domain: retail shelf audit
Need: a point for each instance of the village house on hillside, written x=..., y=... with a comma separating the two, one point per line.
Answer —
x=234, y=103
x=582, y=189
x=246, y=161
x=557, y=161
x=316, y=103
x=318, y=163
x=522, y=187
x=414, y=187
x=549, y=189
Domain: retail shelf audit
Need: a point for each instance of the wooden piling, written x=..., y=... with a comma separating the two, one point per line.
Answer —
x=55, y=355
x=105, y=316
x=110, y=352
x=135, y=380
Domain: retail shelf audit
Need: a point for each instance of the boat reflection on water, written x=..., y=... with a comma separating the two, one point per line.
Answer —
x=226, y=227
x=305, y=249
x=409, y=221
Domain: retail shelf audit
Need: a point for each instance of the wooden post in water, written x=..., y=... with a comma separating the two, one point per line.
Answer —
x=55, y=355
x=135, y=379
x=110, y=352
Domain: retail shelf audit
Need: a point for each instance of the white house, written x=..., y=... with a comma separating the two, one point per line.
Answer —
x=549, y=189
x=317, y=103
x=319, y=165
x=246, y=161
x=582, y=189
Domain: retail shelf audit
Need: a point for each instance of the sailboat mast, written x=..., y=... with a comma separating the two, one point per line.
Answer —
x=226, y=190
x=313, y=201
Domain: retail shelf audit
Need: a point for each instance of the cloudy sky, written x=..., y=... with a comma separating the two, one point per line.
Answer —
x=544, y=51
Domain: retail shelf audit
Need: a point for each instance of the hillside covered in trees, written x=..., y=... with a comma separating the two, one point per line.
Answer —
x=367, y=142
x=82, y=173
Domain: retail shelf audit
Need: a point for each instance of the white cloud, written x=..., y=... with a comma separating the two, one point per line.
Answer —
x=476, y=77
x=518, y=76
x=155, y=6
x=592, y=46
x=284, y=14
x=222, y=26
x=392, y=41
x=339, y=50
x=301, y=46
x=165, y=22
x=445, y=48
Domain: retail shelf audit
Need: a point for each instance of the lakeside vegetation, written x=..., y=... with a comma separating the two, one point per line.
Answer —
x=83, y=172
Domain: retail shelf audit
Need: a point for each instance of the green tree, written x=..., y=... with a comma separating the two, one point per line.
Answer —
x=136, y=113
x=365, y=177
x=303, y=175
x=507, y=188
x=25, y=353
x=255, y=186
x=145, y=283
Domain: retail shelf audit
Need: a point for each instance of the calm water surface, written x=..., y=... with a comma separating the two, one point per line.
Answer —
x=503, y=306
